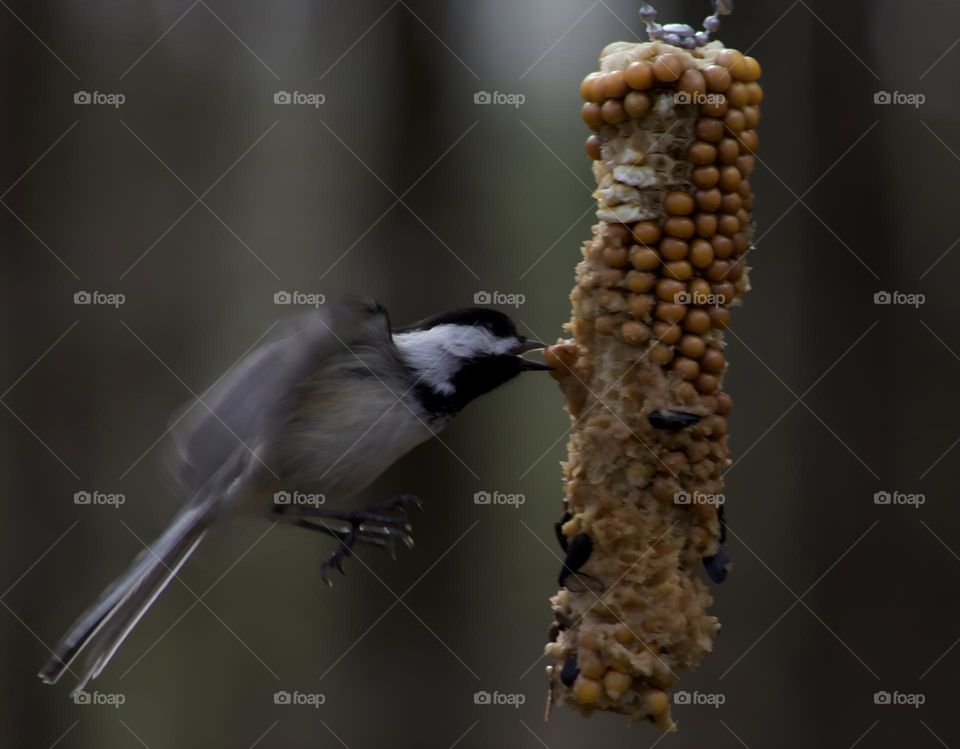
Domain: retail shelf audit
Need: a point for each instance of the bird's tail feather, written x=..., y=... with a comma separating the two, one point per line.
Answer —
x=106, y=624
x=128, y=614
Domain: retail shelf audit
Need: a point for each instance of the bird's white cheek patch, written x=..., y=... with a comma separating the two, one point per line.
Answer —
x=438, y=353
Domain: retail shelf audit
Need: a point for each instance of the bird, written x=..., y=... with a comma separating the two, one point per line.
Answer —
x=312, y=416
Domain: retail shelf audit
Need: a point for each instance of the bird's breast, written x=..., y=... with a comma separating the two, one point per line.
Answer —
x=344, y=431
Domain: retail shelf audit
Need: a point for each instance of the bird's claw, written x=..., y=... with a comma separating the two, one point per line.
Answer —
x=374, y=526
x=336, y=560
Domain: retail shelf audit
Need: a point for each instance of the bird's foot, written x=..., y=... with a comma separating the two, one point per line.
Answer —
x=387, y=519
x=383, y=524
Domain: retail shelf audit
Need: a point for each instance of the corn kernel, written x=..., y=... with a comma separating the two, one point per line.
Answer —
x=587, y=691
x=615, y=684
x=655, y=702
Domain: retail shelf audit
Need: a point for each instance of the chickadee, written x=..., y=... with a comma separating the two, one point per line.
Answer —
x=319, y=412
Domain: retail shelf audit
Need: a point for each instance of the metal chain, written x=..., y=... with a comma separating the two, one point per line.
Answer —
x=680, y=34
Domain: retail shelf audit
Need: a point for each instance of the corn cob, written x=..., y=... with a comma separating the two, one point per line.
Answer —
x=674, y=132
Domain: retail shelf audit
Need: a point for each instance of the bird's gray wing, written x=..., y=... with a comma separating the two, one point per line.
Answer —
x=246, y=404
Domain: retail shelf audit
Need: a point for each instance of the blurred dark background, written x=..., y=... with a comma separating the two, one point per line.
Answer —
x=837, y=398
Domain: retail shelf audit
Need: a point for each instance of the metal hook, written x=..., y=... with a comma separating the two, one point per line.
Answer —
x=680, y=34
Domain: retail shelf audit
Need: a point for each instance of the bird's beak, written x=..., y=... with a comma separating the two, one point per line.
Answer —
x=531, y=344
